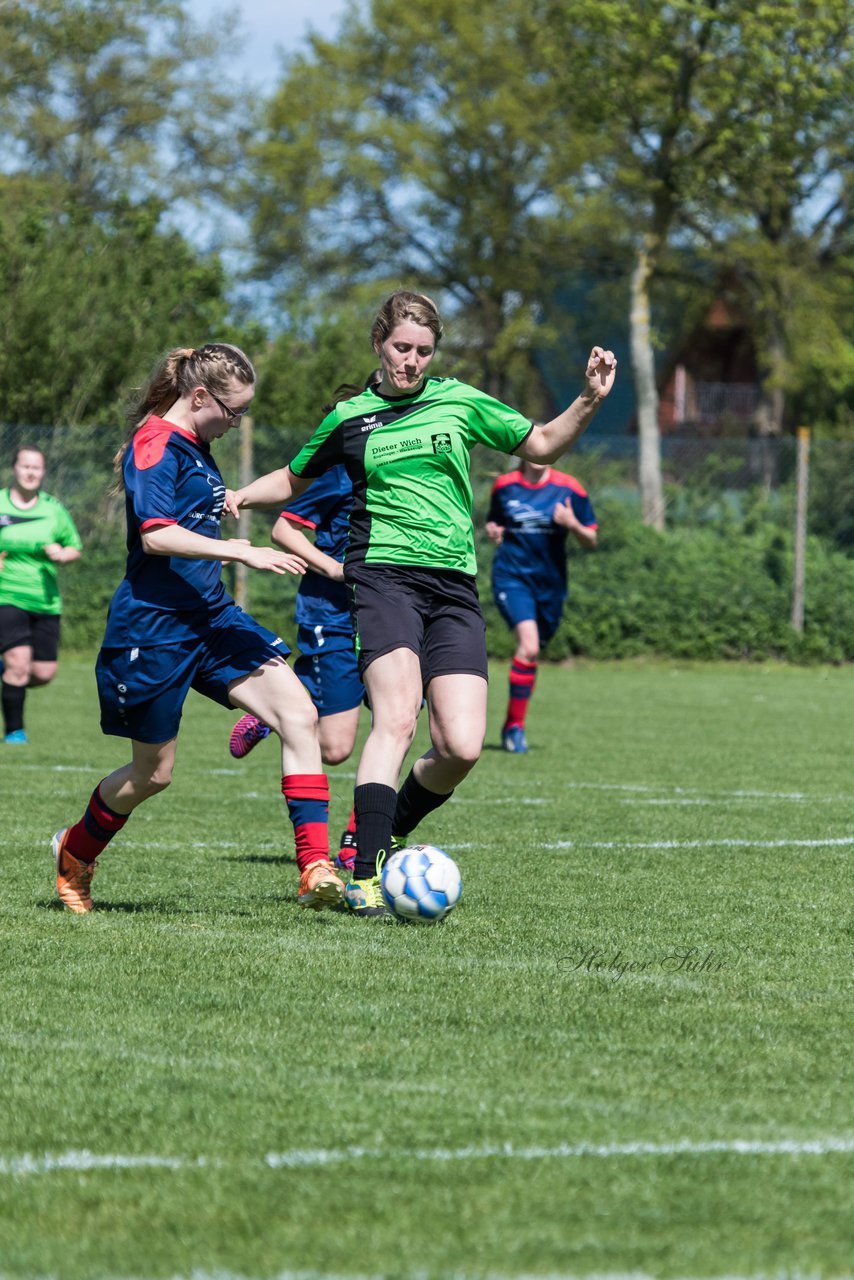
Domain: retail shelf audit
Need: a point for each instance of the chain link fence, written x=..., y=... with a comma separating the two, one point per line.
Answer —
x=705, y=478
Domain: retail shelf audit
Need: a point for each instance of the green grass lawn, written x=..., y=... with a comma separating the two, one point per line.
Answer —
x=627, y=1052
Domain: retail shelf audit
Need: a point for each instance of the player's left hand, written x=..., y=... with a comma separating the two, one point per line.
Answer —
x=53, y=551
x=564, y=515
x=600, y=372
x=229, y=505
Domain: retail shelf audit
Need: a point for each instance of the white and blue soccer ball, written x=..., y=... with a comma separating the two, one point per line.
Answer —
x=421, y=883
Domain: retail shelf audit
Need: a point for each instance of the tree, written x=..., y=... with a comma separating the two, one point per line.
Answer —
x=421, y=146
x=105, y=98
x=708, y=108
x=111, y=114
x=787, y=189
x=87, y=304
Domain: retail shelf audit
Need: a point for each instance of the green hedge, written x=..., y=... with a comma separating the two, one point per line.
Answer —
x=717, y=590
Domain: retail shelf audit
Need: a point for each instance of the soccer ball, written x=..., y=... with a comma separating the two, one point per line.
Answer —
x=421, y=883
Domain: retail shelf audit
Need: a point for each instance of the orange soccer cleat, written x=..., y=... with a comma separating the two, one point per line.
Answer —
x=73, y=877
x=319, y=886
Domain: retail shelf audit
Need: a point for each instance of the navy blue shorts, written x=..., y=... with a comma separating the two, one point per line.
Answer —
x=331, y=677
x=143, y=690
x=517, y=602
x=434, y=612
x=39, y=631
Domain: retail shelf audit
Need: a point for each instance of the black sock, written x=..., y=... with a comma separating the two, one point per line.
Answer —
x=414, y=802
x=374, y=804
x=13, y=706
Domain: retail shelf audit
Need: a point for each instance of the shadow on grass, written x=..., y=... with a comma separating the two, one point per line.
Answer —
x=143, y=908
x=265, y=859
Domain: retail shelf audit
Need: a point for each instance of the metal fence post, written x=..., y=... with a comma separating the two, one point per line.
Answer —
x=245, y=475
x=803, y=473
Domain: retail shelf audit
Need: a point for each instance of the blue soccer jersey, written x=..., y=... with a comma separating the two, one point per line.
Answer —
x=323, y=606
x=534, y=546
x=170, y=477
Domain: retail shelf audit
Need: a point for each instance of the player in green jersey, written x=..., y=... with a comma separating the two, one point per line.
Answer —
x=410, y=563
x=36, y=535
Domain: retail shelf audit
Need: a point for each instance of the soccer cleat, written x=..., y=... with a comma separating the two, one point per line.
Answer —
x=16, y=737
x=73, y=878
x=365, y=897
x=513, y=739
x=345, y=859
x=246, y=734
x=319, y=886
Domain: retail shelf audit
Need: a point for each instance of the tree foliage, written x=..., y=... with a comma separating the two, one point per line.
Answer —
x=87, y=305
x=114, y=97
x=492, y=151
x=111, y=114
x=420, y=148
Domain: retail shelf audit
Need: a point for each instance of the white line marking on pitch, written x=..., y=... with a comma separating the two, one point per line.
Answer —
x=838, y=842
x=88, y=1161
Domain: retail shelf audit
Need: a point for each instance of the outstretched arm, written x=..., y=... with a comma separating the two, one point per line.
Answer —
x=291, y=538
x=549, y=440
x=174, y=540
x=272, y=490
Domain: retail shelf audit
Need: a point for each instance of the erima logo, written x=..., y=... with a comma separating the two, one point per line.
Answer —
x=370, y=423
x=442, y=443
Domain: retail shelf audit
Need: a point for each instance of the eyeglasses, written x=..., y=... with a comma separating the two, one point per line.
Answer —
x=234, y=414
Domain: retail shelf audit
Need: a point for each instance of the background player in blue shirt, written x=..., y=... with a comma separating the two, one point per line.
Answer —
x=327, y=665
x=172, y=626
x=531, y=511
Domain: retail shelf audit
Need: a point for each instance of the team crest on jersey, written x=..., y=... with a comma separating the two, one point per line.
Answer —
x=442, y=443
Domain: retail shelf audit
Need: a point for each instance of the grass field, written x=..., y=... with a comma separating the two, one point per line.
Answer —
x=628, y=1051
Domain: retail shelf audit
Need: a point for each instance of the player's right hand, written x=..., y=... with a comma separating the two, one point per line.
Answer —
x=272, y=560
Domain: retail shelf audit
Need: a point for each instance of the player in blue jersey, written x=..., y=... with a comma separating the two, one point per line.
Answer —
x=532, y=509
x=172, y=626
x=327, y=665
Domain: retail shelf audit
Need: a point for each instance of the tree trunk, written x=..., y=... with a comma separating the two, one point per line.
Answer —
x=646, y=392
x=771, y=409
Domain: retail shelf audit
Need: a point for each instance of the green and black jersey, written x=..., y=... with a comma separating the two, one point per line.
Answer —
x=28, y=579
x=409, y=460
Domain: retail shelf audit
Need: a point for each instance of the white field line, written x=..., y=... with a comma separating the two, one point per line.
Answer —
x=405, y=1274
x=632, y=787
x=660, y=794
x=87, y=1161
x=720, y=843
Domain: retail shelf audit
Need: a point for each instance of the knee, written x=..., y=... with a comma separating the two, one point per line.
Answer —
x=528, y=652
x=293, y=722
x=38, y=679
x=335, y=752
x=16, y=673
x=402, y=725
x=461, y=755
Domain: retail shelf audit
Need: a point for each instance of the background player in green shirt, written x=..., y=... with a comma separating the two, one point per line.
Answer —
x=36, y=535
x=410, y=563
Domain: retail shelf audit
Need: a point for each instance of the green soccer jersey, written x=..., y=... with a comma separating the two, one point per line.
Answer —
x=27, y=578
x=409, y=461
